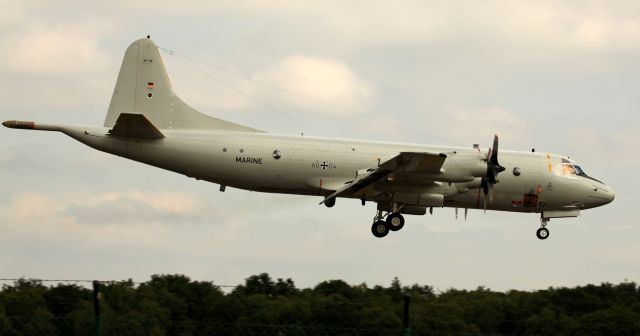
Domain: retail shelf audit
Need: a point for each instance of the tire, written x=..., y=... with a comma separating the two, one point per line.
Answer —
x=379, y=228
x=330, y=202
x=542, y=233
x=395, y=221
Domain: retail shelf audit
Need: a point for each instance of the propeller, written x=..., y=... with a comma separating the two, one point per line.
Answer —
x=493, y=169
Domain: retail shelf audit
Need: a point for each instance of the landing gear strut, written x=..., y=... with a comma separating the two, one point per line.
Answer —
x=381, y=227
x=542, y=233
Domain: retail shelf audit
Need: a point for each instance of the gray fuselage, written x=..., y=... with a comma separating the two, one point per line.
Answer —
x=317, y=166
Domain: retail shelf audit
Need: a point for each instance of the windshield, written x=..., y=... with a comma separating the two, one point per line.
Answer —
x=568, y=168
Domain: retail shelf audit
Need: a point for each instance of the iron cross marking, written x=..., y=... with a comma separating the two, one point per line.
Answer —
x=324, y=165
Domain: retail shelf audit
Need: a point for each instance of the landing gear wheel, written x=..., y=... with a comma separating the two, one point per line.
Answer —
x=379, y=228
x=329, y=203
x=395, y=221
x=542, y=233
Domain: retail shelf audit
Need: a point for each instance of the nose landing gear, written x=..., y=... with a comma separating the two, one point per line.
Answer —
x=381, y=227
x=543, y=233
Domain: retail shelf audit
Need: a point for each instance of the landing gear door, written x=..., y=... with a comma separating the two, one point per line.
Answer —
x=530, y=201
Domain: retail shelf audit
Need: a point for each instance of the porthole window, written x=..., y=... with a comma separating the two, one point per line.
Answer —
x=241, y=150
x=516, y=171
x=276, y=154
x=224, y=149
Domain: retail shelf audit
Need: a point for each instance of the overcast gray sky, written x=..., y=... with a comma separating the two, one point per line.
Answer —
x=560, y=76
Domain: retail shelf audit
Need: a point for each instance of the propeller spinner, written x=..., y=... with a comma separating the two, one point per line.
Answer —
x=493, y=169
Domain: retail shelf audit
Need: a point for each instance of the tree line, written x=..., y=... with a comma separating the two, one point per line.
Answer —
x=177, y=305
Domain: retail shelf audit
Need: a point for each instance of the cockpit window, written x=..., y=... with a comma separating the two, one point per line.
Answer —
x=568, y=169
x=571, y=169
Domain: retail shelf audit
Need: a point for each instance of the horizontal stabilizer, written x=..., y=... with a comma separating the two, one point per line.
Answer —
x=130, y=125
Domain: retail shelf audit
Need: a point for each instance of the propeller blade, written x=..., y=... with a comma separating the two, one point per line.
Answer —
x=494, y=151
x=484, y=186
x=485, y=203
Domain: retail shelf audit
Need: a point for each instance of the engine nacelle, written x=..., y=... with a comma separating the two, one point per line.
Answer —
x=420, y=199
x=407, y=209
x=465, y=187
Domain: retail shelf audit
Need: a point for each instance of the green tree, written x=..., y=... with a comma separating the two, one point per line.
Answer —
x=335, y=311
x=259, y=284
x=174, y=304
x=25, y=307
x=545, y=322
x=61, y=300
x=5, y=324
x=285, y=287
x=615, y=321
x=336, y=287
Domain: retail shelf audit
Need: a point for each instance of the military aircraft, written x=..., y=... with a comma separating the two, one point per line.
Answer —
x=147, y=122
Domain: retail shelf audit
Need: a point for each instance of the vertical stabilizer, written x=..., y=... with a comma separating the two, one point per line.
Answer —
x=143, y=87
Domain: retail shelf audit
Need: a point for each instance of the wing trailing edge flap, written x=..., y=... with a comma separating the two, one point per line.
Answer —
x=360, y=182
x=416, y=162
x=405, y=162
x=133, y=125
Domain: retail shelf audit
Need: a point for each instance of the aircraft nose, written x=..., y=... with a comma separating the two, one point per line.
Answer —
x=611, y=195
x=606, y=194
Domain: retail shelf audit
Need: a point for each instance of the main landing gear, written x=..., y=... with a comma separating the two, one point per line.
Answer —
x=542, y=233
x=381, y=227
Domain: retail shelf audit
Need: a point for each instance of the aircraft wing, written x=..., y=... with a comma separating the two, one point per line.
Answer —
x=405, y=162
